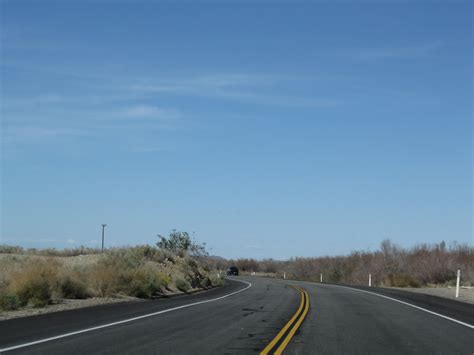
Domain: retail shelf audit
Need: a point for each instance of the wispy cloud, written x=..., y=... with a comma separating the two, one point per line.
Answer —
x=152, y=112
x=37, y=134
x=257, y=89
x=206, y=83
x=253, y=247
x=409, y=51
x=45, y=242
x=114, y=111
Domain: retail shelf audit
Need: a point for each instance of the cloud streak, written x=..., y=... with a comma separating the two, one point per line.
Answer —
x=114, y=111
x=255, y=89
x=398, y=52
x=150, y=112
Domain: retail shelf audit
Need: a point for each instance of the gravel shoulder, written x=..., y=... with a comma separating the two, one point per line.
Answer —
x=65, y=305
x=466, y=294
x=70, y=304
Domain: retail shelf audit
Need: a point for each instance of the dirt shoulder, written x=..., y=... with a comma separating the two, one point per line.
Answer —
x=466, y=294
x=69, y=304
x=64, y=305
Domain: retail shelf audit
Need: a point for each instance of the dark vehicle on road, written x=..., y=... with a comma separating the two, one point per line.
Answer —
x=233, y=271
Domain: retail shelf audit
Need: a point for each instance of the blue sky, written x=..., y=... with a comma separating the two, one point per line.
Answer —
x=269, y=129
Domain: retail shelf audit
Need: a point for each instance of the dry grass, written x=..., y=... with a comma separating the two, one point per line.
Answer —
x=34, y=281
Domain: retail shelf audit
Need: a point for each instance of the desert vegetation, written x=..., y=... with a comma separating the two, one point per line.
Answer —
x=390, y=266
x=35, y=278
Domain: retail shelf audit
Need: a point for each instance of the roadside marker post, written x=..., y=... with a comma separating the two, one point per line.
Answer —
x=370, y=280
x=458, y=278
x=284, y=275
x=321, y=278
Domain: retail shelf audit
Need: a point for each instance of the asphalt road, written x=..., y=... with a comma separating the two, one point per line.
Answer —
x=340, y=321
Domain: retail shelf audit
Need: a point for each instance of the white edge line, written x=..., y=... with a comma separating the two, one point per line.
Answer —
x=408, y=304
x=125, y=320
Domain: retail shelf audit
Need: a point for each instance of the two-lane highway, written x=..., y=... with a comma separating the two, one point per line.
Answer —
x=349, y=321
x=239, y=319
x=241, y=323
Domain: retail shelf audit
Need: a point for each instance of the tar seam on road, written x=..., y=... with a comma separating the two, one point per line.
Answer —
x=125, y=320
x=283, y=338
x=409, y=304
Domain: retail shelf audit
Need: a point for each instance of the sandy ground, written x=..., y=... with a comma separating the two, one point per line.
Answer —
x=466, y=294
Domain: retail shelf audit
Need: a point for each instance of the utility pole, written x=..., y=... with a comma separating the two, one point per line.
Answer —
x=103, y=228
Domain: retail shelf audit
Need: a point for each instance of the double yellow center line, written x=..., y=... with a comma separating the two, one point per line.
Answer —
x=280, y=342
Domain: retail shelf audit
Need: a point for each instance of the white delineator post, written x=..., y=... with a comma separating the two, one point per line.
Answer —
x=284, y=275
x=370, y=280
x=458, y=278
x=321, y=277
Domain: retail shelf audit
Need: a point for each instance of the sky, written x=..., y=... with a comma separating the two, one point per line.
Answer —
x=266, y=129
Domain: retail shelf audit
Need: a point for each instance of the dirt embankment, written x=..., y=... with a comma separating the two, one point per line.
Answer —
x=32, y=284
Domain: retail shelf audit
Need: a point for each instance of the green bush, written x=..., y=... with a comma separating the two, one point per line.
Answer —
x=9, y=301
x=182, y=284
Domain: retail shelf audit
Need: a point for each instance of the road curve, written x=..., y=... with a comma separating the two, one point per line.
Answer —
x=242, y=323
x=339, y=321
x=346, y=321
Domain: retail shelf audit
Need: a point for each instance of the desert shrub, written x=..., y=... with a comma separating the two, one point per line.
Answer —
x=205, y=282
x=401, y=280
x=126, y=272
x=33, y=283
x=247, y=265
x=143, y=287
x=164, y=256
x=156, y=254
x=9, y=301
x=147, y=281
x=103, y=279
x=195, y=272
x=391, y=265
x=269, y=265
x=165, y=279
x=216, y=281
x=182, y=284
x=114, y=273
x=11, y=249
x=124, y=258
x=142, y=271
x=36, y=293
x=70, y=287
